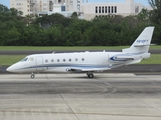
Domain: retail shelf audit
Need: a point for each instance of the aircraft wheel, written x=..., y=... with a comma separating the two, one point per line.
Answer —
x=90, y=76
x=32, y=76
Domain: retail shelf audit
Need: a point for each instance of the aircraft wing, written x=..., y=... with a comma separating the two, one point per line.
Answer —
x=88, y=69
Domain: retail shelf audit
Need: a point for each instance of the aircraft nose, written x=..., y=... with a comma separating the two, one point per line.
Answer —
x=10, y=69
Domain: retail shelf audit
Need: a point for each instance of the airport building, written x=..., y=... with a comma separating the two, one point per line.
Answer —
x=130, y=7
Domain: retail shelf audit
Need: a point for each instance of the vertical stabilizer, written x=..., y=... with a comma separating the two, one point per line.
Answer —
x=142, y=43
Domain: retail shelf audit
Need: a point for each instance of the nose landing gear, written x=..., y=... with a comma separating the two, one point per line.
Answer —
x=32, y=76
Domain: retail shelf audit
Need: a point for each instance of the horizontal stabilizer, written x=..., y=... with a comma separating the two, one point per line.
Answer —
x=141, y=45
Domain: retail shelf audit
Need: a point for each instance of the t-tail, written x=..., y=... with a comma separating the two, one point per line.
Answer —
x=142, y=43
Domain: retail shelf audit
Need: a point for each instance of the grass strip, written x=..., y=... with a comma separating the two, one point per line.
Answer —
x=154, y=59
x=10, y=59
x=65, y=48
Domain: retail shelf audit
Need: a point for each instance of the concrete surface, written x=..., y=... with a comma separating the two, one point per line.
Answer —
x=112, y=96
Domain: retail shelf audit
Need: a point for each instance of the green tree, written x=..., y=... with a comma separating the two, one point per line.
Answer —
x=156, y=12
x=29, y=19
x=15, y=12
x=3, y=9
x=52, y=20
x=74, y=16
x=143, y=15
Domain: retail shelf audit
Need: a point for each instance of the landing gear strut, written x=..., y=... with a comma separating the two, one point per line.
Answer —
x=90, y=75
x=32, y=76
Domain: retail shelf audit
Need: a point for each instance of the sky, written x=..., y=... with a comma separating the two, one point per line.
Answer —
x=144, y=2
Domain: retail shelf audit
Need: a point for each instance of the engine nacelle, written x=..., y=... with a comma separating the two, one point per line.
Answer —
x=68, y=70
x=129, y=57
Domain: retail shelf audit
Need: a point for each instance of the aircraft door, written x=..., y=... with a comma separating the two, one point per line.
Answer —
x=39, y=64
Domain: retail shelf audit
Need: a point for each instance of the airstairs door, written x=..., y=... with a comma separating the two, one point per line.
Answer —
x=39, y=64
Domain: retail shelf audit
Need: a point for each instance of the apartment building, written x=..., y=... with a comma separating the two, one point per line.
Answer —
x=21, y=5
x=29, y=7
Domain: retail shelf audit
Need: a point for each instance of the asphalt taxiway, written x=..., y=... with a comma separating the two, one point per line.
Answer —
x=108, y=96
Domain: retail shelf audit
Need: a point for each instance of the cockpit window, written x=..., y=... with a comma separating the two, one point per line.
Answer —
x=31, y=59
x=25, y=59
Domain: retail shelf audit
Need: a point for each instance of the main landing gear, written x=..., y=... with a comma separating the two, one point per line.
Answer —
x=90, y=75
x=32, y=76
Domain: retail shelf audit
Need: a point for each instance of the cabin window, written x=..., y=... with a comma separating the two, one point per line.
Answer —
x=25, y=59
x=70, y=60
x=52, y=60
x=76, y=59
x=63, y=60
x=46, y=60
x=82, y=59
x=58, y=60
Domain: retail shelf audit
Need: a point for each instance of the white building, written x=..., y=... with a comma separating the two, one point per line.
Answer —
x=29, y=7
x=74, y=5
x=21, y=5
x=129, y=7
x=85, y=9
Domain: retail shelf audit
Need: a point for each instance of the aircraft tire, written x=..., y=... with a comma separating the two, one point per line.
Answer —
x=32, y=76
x=90, y=76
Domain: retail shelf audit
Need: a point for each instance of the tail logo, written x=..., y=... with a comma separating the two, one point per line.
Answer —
x=142, y=41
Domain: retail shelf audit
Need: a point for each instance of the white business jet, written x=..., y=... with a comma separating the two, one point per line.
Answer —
x=87, y=62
